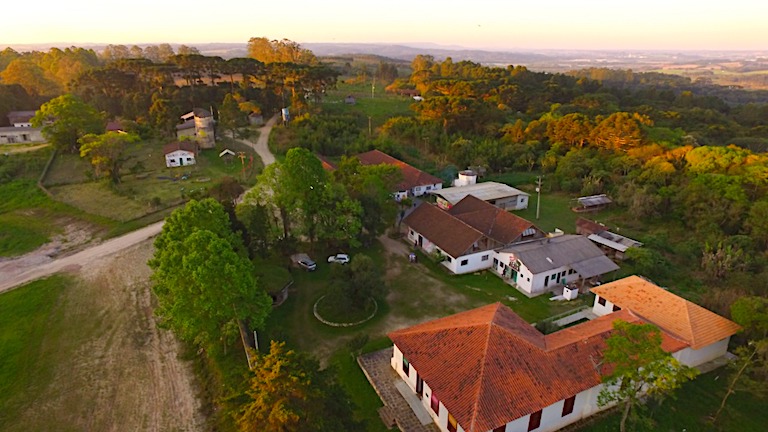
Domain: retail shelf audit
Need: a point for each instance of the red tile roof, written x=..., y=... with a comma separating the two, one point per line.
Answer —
x=190, y=146
x=328, y=165
x=586, y=226
x=488, y=366
x=412, y=177
x=496, y=223
x=685, y=320
x=451, y=235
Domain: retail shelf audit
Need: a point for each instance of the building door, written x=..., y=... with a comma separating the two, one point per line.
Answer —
x=546, y=281
x=419, y=386
x=514, y=275
x=421, y=241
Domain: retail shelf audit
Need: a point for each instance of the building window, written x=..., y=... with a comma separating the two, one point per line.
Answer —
x=616, y=308
x=568, y=406
x=464, y=262
x=535, y=421
x=434, y=404
x=173, y=161
x=571, y=271
x=412, y=233
x=451, y=423
x=406, y=367
x=189, y=159
x=527, y=279
x=601, y=301
x=484, y=258
x=429, y=187
x=448, y=258
x=495, y=262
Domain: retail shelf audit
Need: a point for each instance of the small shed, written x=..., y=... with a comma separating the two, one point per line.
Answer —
x=227, y=156
x=591, y=203
x=180, y=153
x=350, y=100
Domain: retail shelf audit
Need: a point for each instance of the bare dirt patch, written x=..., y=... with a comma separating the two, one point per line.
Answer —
x=125, y=373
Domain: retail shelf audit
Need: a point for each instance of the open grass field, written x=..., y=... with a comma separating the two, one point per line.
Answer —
x=28, y=217
x=83, y=352
x=149, y=188
x=380, y=108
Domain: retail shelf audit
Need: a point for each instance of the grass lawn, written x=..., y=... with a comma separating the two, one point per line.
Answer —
x=380, y=108
x=416, y=293
x=151, y=186
x=694, y=403
x=29, y=327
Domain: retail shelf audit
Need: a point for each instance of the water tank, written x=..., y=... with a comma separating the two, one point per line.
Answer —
x=466, y=177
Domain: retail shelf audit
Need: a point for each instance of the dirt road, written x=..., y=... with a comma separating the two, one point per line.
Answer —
x=261, y=145
x=121, y=372
x=19, y=271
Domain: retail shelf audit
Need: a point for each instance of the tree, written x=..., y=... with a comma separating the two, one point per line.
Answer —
x=288, y=393
x=203, y=281
x=230, y=116
x=66, y=119
x=750, y=368
x=640, y=368
x=354, y=285
x=31, y=76
x=106, y=152
x=282, y=51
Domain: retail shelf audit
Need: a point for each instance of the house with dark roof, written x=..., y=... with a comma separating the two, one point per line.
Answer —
x=467, y=234
x=415, y=181
x=21, y=118
x=614, y=245
x=539, y=266
x=487, y=369
x=498, y=194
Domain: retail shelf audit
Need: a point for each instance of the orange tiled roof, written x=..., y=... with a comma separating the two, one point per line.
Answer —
x=448, y=233
x=488, y=366
x=685, y=320
x=496, y=223
x=412, y=177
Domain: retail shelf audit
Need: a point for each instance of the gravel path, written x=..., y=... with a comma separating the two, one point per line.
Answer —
x=25, y=269
x=261, y=145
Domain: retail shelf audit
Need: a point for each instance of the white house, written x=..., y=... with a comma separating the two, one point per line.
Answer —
x=180, y=153
x=487, y=370
x=21, y=119
x=467, y=234
x=706, y=333
x=20, y=135
x=415, y=181
x=537, y=266
x=497, y=194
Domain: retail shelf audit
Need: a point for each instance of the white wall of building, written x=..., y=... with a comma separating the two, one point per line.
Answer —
x=691, y=357
x=179, y=158
x=470, y=263
x=422, y=189
x=599, y=309
x=20, y=135
x=534, y=283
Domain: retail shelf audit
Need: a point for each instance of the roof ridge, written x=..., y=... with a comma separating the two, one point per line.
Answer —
x=481, y=374
x=688, y=306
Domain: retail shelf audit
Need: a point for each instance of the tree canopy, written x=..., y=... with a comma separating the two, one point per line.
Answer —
x=66, y=119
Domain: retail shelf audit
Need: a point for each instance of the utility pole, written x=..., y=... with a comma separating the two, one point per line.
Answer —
x=370, y=129
x=538, y=199
x=373, y=86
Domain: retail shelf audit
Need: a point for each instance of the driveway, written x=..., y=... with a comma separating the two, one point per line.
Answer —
x=261, y=145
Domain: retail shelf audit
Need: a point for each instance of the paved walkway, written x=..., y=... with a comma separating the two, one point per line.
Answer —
x=383, y=378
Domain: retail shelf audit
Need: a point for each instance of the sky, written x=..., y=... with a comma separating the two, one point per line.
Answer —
x=480, y=24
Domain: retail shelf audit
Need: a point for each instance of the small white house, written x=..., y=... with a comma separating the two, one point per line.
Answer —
x=180, y=153
x=539, y=266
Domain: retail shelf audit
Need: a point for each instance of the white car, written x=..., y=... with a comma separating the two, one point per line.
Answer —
x=339, y=258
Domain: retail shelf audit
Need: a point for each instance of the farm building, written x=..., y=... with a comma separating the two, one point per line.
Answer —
x=467, y=234
x=539, y=266
x=487, y=369
x=614, y=245
x=180, y=153
x=497, y=194
x=591, y=203
x=415, y=181
x=199, y=124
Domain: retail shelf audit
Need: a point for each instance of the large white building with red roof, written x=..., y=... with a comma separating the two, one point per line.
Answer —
x=488, y=370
